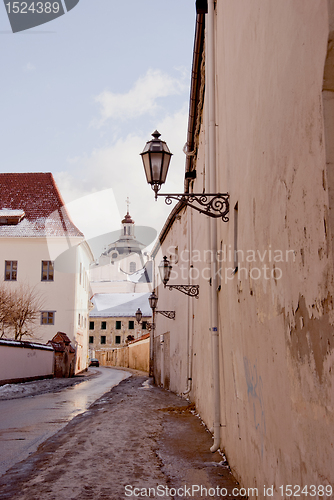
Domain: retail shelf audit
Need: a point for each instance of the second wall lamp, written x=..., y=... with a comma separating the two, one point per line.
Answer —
x=165, y=269
x=153, y=300
x=139, y=316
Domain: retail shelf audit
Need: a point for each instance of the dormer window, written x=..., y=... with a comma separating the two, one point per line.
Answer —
x=10, y=217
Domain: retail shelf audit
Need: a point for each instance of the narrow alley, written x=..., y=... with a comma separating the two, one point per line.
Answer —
x=135, y=441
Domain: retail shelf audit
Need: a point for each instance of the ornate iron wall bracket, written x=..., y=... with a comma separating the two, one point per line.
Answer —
x=191, y=290
x=167, y=314
x=150, y=326
x=212, y=205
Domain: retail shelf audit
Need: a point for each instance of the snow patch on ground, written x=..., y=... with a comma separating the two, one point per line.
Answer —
x=26, y=389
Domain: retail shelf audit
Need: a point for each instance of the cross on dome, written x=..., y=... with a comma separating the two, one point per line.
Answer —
x=127, y=218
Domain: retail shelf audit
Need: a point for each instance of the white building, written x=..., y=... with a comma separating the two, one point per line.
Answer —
x=41, y=247
x=123, y=267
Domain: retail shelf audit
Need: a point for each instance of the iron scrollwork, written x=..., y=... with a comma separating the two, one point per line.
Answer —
x=213, y=205
x=167, y=314
x=150, y=326
x=191, y=290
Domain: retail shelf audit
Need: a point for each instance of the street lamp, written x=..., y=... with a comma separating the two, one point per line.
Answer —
x=165, y=269
x=156, y=158
x=139, y=316
x=150, y=327
x=153, y=301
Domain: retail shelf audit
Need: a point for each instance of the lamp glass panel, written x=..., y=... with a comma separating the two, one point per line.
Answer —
x=156, y=159
x=147, y=168
x=165, y=269
x=168, y=270
x=165, y=165
x=153, y=301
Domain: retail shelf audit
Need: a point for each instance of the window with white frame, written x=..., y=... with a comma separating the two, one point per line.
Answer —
x=11, y=270
x=48, y=317
x=47, y=270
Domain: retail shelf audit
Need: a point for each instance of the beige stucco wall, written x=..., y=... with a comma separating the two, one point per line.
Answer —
x=139, y=355
x=135, y=355
x=277, y=334
x=118, y=356
x=276, y=312
x=19, y=363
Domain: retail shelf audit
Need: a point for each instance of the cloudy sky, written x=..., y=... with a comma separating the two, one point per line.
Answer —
x=81, y=95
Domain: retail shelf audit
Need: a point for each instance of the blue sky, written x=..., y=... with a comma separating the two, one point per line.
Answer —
x=81, y=95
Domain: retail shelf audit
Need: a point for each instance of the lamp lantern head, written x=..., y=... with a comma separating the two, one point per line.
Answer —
x=165, y=269
x=156, y=158
x=153, y=301
x=139, y=315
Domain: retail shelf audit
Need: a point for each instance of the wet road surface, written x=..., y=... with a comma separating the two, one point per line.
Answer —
x=26, y=422
x=135, y=436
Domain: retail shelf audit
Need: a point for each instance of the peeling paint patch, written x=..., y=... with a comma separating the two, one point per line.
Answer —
x=312, y=339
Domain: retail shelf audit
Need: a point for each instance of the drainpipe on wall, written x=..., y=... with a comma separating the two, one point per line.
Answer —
x=210, y=86
x=151, y=362
x=190, y=312
x=191, y=152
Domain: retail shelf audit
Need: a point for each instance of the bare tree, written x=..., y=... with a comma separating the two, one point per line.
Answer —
x=4, y=309
x=19, y=311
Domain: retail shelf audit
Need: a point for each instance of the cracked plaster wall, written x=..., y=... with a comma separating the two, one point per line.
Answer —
x=275, y=136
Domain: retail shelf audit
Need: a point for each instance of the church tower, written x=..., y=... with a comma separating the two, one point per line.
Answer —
x=122, y=266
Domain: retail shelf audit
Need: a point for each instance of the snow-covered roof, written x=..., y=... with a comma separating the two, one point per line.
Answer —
x=113, y=305
x=26, y=344
x=8, y=212
x=35, y=196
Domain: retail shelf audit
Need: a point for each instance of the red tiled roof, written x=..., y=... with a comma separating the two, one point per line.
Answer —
x=57, y=346
x=61, y=337
x=60, y=341
x=38, y=196
x=143, y=337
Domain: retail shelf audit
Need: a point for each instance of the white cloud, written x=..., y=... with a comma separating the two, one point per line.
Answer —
x=141, y=99
x=95, y=214
x=117, y=166
x=120, y=168
x=29, y=67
